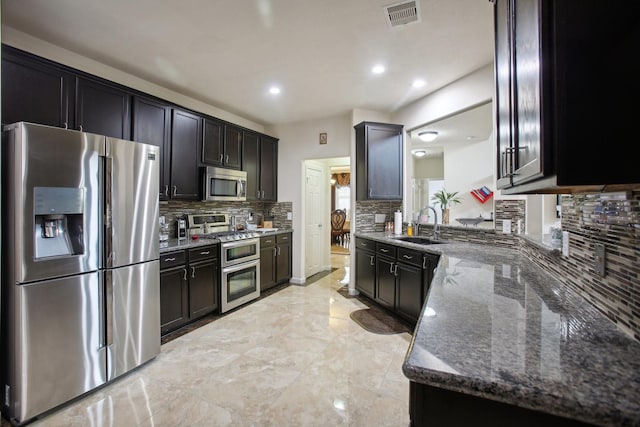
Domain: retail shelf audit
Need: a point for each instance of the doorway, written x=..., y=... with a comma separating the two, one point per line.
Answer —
x=340, y=206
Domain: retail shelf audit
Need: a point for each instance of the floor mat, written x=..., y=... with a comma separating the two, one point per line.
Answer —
x=375, y=319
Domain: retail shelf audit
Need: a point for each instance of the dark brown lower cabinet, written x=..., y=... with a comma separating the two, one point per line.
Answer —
x=409, y=291
x=434, y=406
x=189, y=286
x=275, y=260
x=385, y=282
x=395, y=277
x=365, y=267
x=174, y=299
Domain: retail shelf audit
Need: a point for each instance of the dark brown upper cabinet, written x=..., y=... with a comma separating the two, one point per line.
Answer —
x=102, y=109
x=260, y=161
x=221, y=144
x=565, y=76
x=152, y=125
x=186, y=137
x=378, y=161
x=36, y=90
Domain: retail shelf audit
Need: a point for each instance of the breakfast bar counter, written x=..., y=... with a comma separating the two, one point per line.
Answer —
x=499, y=330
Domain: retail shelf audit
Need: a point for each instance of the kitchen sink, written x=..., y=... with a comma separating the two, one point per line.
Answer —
x=416, y=239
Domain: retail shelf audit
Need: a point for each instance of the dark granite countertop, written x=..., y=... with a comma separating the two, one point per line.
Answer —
x=495, y=325
x=174, y=245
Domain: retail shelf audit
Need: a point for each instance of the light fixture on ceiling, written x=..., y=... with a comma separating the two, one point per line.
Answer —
x=418, y=83
x=378, y=69
x=274, y=90
x=428, y=136
x=419, y=153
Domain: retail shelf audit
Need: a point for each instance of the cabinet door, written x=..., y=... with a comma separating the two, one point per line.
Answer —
x=409, y=291
x=267, y=267
x=268, y=169
x=152, y=125
x=203, y=288
x=365, y=273
x=174, y=302
x=386, y=282
x=102, y=109
x=283, y=263
x=379, y=160
x=186, y=135
x=251, y=163
x=232, y=147
x=527, y=86
x=35, y=91
x=503, y=97
x=213, y=143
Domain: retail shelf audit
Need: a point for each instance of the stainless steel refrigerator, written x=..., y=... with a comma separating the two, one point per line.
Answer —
x=80, y=285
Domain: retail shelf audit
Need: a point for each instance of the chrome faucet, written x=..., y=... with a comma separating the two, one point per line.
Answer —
x=436, y=231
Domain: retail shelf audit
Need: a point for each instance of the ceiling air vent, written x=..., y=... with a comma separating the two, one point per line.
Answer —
x=402, y=13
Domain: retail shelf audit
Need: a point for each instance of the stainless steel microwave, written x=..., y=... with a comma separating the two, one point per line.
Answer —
x=224, y=184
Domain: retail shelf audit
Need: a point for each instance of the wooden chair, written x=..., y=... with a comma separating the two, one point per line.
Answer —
x=338, y=217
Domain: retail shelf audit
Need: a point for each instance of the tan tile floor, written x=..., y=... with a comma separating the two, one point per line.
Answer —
x=294, y=358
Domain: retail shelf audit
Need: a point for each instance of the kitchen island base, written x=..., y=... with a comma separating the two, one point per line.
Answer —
x=434, y=406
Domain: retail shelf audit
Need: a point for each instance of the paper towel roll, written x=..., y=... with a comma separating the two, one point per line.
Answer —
x=397, y=219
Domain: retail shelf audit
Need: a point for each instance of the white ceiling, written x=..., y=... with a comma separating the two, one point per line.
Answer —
x=228, y=53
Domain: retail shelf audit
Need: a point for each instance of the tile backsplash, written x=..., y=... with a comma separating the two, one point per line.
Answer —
x=612, y=219
x=174, y=209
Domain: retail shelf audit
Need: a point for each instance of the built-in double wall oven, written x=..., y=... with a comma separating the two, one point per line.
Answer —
x=240, y=272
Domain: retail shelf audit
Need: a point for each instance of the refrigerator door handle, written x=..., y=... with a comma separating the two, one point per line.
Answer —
x=108, y=203
x=108, y=286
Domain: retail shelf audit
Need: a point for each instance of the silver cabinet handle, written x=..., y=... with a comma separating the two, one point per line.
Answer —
x=175, y=190
x=80, y=128
x=66, y=126
x=424, y=262
x=193, y=272
x=166, y=190
x=226, y=160
x=369, y=191
x=395, y=270
x=278, y=250
x=371, y=260
x=205, y=252
x=407, y=257
x=185, y=274
x=391, y=268
x=363, y=244
x=169, y=259
x=269, y=241
x=221, y=156
x=275, y=252
x=384, y=250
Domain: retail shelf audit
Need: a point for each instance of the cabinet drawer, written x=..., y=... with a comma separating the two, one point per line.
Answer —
x=365, y=244
x=202, y=253
x=282, y=239
x=386, y=250
x=409, y=256
x=267, y=241
x=172, y=259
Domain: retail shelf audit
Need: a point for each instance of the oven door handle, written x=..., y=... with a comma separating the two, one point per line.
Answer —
x=242, y=266
x=236, y=243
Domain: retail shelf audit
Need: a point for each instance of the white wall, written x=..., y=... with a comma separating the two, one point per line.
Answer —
x=299, y=142
x=52, y=52
x=469, y=91
x=468, y=166
x=428, y=167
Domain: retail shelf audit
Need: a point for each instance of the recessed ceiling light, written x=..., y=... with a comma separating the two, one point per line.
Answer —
x=274, y=90
x=378, y=69
x=428, y=136
x=418, y=83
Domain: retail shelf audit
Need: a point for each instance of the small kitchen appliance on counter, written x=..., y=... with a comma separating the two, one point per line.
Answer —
x=181, y=229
